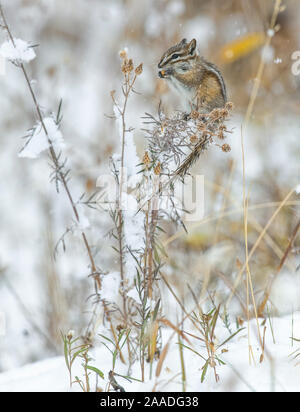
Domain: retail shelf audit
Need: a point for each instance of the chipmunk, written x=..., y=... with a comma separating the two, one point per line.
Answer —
x=199, y=81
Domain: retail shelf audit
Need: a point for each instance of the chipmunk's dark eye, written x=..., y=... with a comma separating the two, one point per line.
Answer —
x=175, y=56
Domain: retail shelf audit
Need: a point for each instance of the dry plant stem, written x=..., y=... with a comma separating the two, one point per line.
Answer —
x=182, y=364
x=126, y=89
x=256, y=225
x=151, y=222
x=261, y=66
x=248, y=273
x=262, y=234
x=227, y=213
x=146, y=284
x=128, y=86
x=187, y=315
x=29, y=317
x=151, y=216
x=271, y=280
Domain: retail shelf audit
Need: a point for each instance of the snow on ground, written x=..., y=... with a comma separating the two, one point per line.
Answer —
x=76, y=59
x=278, y=372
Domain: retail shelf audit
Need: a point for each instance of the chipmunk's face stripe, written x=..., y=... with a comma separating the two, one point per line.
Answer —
x=180, y=52
x=173, y=65
x=179, y=58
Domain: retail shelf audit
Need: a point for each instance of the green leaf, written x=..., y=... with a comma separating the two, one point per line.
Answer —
x=84, y=349
x=96, y=370
x=204, y=371
x=191, y=349
x=106, y=338
x=230, y=337
x=66, y=352
x=156, y=309
x=129, y=378
x=214, y=322
x=220, y=361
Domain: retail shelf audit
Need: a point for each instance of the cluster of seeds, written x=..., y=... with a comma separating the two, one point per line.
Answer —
x=174, y=143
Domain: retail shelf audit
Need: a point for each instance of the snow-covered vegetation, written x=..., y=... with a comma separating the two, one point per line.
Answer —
x=107, y=281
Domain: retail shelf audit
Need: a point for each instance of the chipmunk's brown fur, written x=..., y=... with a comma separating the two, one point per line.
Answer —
x=199, y=82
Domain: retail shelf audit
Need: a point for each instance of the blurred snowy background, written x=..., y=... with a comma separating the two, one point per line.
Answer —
x=78, y=44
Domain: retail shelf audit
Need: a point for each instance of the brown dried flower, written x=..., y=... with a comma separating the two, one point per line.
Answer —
x=146, y=159
x=226, y=148
x=139, y=69
x=224, y=112
x=221, y=134
x=201, y=126
x=157, y=169
x=127, y=66
x=123, y=54
x=215, y=114
x=194, y=139
x=194, y=115
x=112, y=93
x=229, y=106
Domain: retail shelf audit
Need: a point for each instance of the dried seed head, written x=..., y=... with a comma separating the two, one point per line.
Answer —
x=226, y=148
x=70, y=334
x=120, y=327
x=194, y=115
x=194, y=139
x=146, y=159
x=221, y=134
x=112, y=93
x=229, y=106
x=123, y=54
x=201, y=126
x=215, y=114
x=157, y=169
x=224, y=112
x=127, y=66
x=139, y=69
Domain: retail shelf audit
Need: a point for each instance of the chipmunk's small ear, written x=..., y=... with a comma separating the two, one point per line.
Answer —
x=192, y=46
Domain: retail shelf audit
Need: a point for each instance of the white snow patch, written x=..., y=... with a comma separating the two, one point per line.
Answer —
x=285, y=293
x=38, y=142
x=110, y=286
x=133, y=232
x=268, y=54
x=176, y=8
x=278, y=372
x=19, y=52
x=133, y=294
x=131, y=159
x=83, y=223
